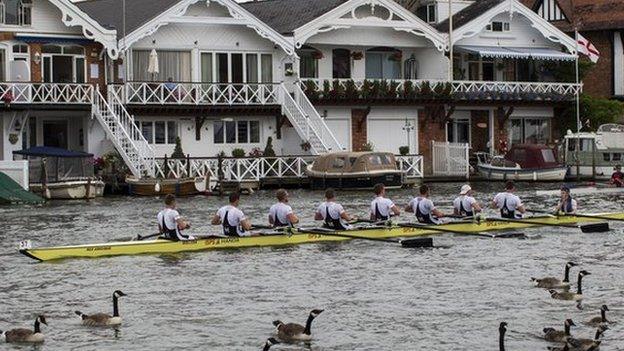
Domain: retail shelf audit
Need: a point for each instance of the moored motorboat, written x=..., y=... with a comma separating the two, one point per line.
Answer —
x=157, y=186
x=526, y=162
x=298, y=236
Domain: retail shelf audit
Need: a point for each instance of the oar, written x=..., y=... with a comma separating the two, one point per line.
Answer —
x=446, y=230
x=419, y=242
x=579, y=215
x=585, y=228
x=143, y=237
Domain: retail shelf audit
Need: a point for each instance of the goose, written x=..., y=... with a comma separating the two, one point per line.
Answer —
x=602, y=319
x=552, y=334
x=565, y=347
x=270, y=342
x=296, y=332
x=501, y=336
x=555, y=283
x=103, y=319
x=566, y=295
x=588, y=344
x=23, y=335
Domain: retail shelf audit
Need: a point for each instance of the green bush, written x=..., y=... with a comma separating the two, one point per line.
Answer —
x=403, y=150
x=238, y=153
x=177, y=150
x=268, y=149
x=368, y=147
x=597, y=110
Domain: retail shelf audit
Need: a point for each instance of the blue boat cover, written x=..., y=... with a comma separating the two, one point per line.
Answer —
x=48, y=151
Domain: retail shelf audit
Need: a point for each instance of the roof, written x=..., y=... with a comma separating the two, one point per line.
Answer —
x=47, y=151
x=287, y=15
x=109, y=13
x=588, y=14
x=468, y=14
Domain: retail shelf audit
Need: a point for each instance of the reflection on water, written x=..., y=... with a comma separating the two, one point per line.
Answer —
x=376, y=296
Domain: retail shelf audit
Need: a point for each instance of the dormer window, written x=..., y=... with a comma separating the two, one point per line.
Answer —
x=498, y=26
x=16, y=12
x=431, y=13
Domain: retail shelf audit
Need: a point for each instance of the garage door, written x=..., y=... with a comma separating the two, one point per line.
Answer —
x=388, y=134
x=342, y=132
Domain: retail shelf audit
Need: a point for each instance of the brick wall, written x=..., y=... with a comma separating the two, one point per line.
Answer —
x=480, y=136
x=501, y=131
x=92, y=52
x=599, y=80
x=35, y=69
x=430, y=127
x=359, y=132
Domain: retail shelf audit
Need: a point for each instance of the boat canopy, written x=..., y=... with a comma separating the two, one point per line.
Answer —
x=52, y=164
x=343, y=162
x=533, y=156
x=48, y=151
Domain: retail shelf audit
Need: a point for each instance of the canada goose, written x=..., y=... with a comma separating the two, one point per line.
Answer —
x=551, y=334
x=602, y=319
x=103, y=319
x=296, y=332
x=588, y=344
x=23, y=335
x=501, y=336
x=566, y=295
x=555, y=283
x=270, y=342
x=565, y=347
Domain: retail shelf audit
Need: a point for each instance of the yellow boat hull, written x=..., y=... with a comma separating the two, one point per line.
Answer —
x=160, y=246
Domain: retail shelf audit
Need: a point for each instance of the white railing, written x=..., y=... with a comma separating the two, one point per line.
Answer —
x=258, y=168
x=410, y=89
x=120, y=127
x=315, y=120
x=180, y=93
x=46, y=93
x=450, y=159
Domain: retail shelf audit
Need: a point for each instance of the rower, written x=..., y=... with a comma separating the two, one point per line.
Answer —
x=617, y=178
x=465, y=204
x=232, y=219
x=382, y=208
x=423, y=207
x=281, y=214
x=508, y=203
x=567, y=204
x=170, y=223
x=332, y=213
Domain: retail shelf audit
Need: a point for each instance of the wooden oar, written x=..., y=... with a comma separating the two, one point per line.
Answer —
x=585, y=228
x=578, y=215
x=418, y=242
x=445, y=230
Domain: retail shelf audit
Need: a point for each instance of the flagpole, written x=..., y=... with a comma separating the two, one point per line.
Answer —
x=578, y=108
x=450, y=36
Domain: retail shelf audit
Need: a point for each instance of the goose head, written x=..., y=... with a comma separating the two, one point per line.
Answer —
x=502, y=328
x=41, y=319
x=119, y=293
x=277, y=323
x=583, y=273
x=553, y=292
x=315, y=313
x=569, y=323
x=571, y=264
x=271, y=342
x=604, y=308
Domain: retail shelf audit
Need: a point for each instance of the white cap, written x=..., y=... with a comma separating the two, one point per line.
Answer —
x=465, y=189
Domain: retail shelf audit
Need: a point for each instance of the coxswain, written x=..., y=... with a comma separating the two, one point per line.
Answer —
x=423, y=207
x=465, y=204
x=617, y=178
x=382, y=208
x=281, y=214
x=170, y=223
x=508, y=203
x=332, y=213
x=567, y=204
x=232, y=219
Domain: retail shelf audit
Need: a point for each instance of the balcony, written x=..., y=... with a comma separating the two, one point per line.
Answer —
x=419, y=90
x=181, y=93
x=46, y=93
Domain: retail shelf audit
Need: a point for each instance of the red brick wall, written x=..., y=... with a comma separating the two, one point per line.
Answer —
x=35, y=69
x=480, y=136
x=92, y=52
x=430, y=127
x=599, y=80
x=501, y=131
x=359, y=135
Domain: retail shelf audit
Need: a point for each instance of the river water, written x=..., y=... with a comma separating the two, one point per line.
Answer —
x=376, y=296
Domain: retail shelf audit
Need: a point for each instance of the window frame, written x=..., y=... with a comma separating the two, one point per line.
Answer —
x=505, y=27
x=236, y=123
x=152, y=123
x=435, y=13
x=245, y=54
x=75, y=67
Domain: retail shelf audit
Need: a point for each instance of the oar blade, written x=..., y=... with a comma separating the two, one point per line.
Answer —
x=417, y=242
x=595, y=227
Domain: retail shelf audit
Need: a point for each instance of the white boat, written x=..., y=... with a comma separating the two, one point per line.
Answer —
x=584, y=190
x=597, y=153
x=540, y=157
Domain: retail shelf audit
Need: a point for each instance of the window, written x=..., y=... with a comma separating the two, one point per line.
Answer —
x=308, y=63
x=16, y=12
x=431, y=13
x=223, y=67
x=339, y=163
x=383, y=63
x=20, y=49
x=530, y=130
x=171, y=64
x=341, y=62
x=236, y=132
x=2, y=65
x=548, y=155
x=616, y=156
x=498, y=26
x=458, y=131
x=159, y=132
x=550, y=10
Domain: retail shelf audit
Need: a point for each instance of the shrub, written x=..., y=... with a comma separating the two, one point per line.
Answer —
x=404, y=150
x=238, y=153
x=268, y=149
x=368, y=147
x=366, y=91
x=177, y=150
x=351, y=91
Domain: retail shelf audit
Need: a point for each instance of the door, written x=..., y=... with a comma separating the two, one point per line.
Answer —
x=55, y=134
x=62, y=69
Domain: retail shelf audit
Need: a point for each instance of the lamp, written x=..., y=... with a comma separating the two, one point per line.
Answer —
x=37, y=58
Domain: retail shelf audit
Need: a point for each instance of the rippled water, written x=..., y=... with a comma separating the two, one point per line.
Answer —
x=376, y=296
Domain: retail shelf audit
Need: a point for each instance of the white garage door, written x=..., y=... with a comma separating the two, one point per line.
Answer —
x=342, y=132
x=388, y=134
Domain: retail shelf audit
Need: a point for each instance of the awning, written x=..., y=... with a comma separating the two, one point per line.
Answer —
x=52, y=40
x=517, y=52
x=48, y=151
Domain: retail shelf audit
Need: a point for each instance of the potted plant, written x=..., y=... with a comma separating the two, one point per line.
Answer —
x=268, y=149
x=317, y=55
x=306, y=146
x=177, y=150
x=403, y=150
x=366, y=89
x=238, y=153
x=255, y=152
x=311, y=90
x=396, y=56
x=408, y=90
x=368, y=146
x=357, y=55
x=351, y=91
x=337, y=91
x=326, y=89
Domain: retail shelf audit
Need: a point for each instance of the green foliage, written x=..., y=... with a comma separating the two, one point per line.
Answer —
x=311, y=90
x=566, y=71
x=403, y=150
x=238, y=153
x=367, y=89
x=177, y=150
x=268, y=149
x=326, y=89
x=408, y=90
x=337, y=91
x=351, y=91
x=368, y=147
x=597, y=110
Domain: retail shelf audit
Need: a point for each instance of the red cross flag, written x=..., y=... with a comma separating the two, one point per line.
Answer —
x=587, y=48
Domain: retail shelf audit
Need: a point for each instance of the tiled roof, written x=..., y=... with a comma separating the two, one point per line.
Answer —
x=287, y=15
x=468, y=14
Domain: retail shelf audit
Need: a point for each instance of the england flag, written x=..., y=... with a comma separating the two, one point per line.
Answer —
x=587, y=48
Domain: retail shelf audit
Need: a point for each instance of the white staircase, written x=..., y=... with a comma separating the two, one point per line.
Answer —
x=307, y=121
x=124, y=133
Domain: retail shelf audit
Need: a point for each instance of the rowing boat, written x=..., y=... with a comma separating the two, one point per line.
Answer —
x=298, y=236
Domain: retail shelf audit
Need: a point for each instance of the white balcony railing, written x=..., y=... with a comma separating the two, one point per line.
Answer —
x=423, y=89
x=46, y=93
x=177, y=93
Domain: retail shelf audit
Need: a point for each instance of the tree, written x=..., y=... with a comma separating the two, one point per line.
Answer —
x=177, y=150
x=268, y=149
x=594, y=112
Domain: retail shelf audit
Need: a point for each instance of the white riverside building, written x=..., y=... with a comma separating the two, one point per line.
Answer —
x=336, y=74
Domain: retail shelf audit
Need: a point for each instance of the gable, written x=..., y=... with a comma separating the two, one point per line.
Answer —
x=550, y=10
